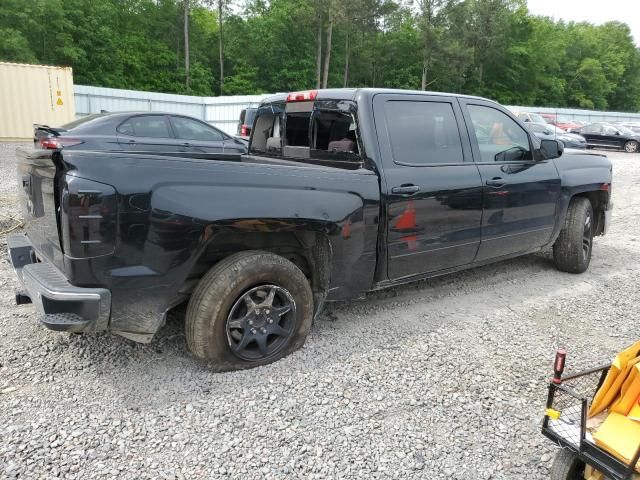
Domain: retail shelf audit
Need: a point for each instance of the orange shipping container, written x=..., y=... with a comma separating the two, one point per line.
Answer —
x=34, y=94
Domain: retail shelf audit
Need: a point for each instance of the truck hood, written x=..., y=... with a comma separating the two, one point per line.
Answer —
x=578, y=151
x=583, y=170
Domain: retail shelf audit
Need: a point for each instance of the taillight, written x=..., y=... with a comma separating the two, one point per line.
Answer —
x=49, y=143
x=88, y=218
x=52, y=143
x=307, y=96
x=244, y=130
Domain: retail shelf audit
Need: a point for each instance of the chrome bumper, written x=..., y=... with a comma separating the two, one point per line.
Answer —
x=62, y=306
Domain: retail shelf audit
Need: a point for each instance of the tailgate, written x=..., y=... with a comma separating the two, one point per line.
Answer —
x=39, y=200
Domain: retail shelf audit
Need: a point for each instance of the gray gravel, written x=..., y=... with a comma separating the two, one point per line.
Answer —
x=440, y=379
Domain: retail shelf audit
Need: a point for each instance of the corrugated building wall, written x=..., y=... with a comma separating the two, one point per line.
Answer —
x=221, y=112
x=34, y=94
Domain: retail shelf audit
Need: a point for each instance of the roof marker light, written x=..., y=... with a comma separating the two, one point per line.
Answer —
x=306, y=96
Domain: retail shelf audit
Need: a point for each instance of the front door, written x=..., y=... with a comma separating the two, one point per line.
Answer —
x=520, y=193
x=433, y=191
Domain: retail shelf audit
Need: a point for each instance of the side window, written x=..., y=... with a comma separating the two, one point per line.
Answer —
x=609, y=130
x=593, y=128
x=126, y=128
x=189, y=129
x=499, y=137
x=154, y=126
x=423, y=132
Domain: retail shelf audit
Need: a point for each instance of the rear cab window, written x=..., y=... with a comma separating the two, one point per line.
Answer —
x=323, y=131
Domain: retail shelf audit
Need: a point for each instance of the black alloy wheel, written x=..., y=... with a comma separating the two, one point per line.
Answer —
x=260, y=322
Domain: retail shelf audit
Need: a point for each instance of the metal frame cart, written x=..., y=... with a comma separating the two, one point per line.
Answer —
x=567, y=425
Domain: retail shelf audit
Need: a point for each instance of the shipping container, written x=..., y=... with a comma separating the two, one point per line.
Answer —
x=34, y=94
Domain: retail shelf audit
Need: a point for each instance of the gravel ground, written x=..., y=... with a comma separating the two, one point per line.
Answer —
x=441, y=379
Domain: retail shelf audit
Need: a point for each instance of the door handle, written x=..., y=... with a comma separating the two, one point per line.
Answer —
x=132, y=141
x=186, y=144
x=496, y=182
x=406, y=189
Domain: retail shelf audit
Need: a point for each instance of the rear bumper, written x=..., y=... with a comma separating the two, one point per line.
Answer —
x=62, y=306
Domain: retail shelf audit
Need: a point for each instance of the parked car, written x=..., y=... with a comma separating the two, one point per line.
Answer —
x=550, y=132
x=562, y=122
x=343, y=191
x=247, y=115
x=606, y=135
x=530, y=117
x=138, y=132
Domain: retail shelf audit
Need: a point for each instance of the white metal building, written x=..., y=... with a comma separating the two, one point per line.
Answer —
x=221, y=112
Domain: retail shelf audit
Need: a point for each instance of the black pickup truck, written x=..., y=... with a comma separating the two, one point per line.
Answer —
x=342, y=192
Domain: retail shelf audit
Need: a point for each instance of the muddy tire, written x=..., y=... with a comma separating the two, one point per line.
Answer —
x=572, y=249
x=252, y=308
x=567, y=466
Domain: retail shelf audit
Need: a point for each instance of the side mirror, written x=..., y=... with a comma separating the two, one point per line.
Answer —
x=618, y=132
x=551, y=148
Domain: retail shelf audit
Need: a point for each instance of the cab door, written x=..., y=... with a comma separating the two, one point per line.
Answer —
x=432, y=189
x=520, y=192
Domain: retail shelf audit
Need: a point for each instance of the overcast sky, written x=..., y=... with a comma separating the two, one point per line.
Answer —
x=594, y=11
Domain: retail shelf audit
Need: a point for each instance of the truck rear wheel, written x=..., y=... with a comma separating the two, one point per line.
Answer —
x=250, y=309
x=572, y=249
x=567, y=466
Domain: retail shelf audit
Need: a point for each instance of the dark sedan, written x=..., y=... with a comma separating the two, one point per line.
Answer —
x=139, y=132
x=570, y=140
x=606, y=135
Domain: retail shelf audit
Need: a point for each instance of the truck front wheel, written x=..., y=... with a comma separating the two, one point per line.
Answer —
x=572, y=249
x=250, y=309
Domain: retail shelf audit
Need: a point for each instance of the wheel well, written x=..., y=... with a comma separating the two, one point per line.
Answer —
x=598, y=200
x=309, y=251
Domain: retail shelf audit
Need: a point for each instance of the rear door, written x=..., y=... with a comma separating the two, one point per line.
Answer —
x=148, y=133
x=593, y=134
x=520, y=194
x=432, y=188
x=196, y=136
